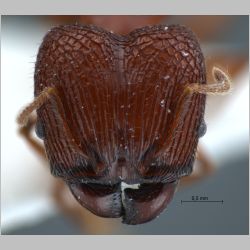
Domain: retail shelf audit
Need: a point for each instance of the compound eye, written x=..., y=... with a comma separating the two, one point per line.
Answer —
x=39, y=129
x=202, y=129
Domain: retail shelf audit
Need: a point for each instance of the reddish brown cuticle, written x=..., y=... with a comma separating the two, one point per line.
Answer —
x=119, y=111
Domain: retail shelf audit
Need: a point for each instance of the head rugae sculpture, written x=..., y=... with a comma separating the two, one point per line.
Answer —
x=120, y=116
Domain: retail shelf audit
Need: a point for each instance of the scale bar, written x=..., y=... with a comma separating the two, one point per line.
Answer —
x=203, y=201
